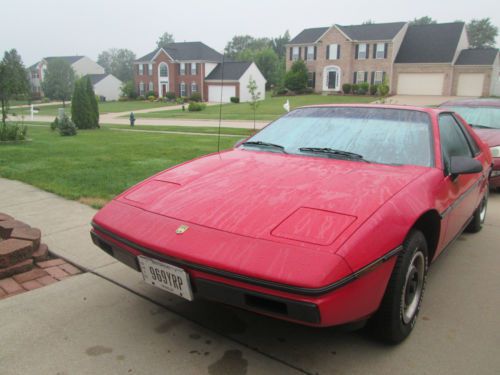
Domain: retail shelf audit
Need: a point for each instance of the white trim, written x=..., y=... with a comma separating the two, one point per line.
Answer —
x=344, y=34
x=163, y=80
x=336, y=69
x=157, y=53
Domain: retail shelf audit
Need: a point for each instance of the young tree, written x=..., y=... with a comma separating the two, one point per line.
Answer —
x=426, y=20
x=59, y=80
x=82, y=109
x=482, y=33
x=13, y=80
x=165, y=38
x=93, y=103
x=119, y=62
x=255, y=97
x=128, y=90
x=296, y=77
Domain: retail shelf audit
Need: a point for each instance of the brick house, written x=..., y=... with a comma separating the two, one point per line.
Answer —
x=191, y=67
x=426, y=59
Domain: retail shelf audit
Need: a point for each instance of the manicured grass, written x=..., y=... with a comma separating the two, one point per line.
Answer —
x=96, y=165
x=269, y=109
x=185, y=129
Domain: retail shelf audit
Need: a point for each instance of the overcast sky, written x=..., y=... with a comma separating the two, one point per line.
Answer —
x=87, y=27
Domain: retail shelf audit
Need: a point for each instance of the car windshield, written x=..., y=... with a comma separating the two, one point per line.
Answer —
x=488, y=117
x=380, y=135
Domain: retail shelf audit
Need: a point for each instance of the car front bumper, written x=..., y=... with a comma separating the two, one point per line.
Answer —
x=495, y=174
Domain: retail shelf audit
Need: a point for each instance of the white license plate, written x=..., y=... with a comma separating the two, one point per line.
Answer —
x=167, y=277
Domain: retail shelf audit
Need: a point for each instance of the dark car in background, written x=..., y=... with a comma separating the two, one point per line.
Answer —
x=484, y=117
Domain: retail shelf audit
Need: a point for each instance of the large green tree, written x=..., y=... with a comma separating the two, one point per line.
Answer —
x=279, y=44
x=241, y=43
x=482, y=33
x=59, y=80
x=164, y=39
x=268, y=63
x=426, y=20
x=296, y=77
x=13, y=80
x=119, y=62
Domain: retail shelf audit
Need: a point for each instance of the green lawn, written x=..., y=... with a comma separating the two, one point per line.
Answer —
x=96, y=165
x=185, y=129
x=269, y=109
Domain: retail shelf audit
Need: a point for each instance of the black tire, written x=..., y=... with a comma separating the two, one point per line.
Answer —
x=394, y=320
x=479, y=216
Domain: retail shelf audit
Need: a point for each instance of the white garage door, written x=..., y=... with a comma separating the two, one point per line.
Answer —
x=470, y=84
x=214, y=93
x=420, y=83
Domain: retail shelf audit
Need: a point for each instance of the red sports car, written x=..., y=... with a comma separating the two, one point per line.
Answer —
x=329, y=215
x=483, y=115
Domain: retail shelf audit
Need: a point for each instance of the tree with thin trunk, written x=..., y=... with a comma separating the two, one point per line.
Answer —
x=59, y=80
x=13, y=80
x=255, y=97
x=93, y=103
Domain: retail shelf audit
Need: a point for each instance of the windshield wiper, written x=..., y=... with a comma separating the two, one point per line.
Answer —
x=482, y=126
x=332, y=151
x=264, y=144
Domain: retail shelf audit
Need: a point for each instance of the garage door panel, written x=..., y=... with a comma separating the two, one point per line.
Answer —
x=470, y=84
x=420, y=83
x=214, y=93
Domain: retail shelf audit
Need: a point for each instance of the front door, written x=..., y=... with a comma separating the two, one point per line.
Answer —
x=332, y=80
x=163, y=89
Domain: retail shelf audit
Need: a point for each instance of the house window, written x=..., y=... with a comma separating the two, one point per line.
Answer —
x=311, y=78
x=362, y=51
x=182, y=89
x=141, y=69
x=194, y=87
x=360, y=77
x=34, y=74
x=182, y=69
x=378, y=77
x=141, y=88
x=194, y=70
x=150, y=88
x=333, y=52
x=380, y=48
x=150, y=69
x=310, y=53
x=163, y=70
x=295, y=53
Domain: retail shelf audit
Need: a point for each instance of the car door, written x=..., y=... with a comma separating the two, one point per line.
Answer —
x=462, y=191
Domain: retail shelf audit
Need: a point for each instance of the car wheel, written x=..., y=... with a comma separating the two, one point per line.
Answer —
x=400, y=305
x=479, y=216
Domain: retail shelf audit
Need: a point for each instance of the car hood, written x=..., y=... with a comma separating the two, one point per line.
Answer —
x=273, y=196
x=489, y=136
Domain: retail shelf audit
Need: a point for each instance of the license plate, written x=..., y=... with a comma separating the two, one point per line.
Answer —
x=167, y=277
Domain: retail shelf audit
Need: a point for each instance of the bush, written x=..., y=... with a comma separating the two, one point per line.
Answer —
x=383, y=89
x=151, y=98
x=296, y=77
x=196, y=107
x=180, y=100
x=150, y=93
x=128, y=90
x=363, y=88
x=235, y=99
x=13, y=132
x=65, y=127
x=141, y=97
x=195, y=97
x=170, y=95
x=374, y=89
x=123, y=99
x=279, y=91
x=84, y=107
x=346, y=88
x=355, y=88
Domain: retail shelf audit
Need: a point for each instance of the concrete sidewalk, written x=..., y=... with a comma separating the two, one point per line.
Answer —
x=109, y=321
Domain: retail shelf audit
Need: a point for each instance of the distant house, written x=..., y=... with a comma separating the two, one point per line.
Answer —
x=186, y=68
x=107, y=85
x=415, y=59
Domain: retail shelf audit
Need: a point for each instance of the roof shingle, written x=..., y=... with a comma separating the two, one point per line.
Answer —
x=187, y=51
x=477, y=56
x=373, y=31
x=232, y=71
x=309, y=35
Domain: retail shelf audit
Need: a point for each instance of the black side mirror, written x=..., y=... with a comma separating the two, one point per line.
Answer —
x=464, y=165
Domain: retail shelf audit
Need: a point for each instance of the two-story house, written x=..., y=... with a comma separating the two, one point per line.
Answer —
x=193, y=67
x=413, y=59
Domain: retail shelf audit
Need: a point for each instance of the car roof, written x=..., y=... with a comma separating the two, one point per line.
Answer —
x=485, y=102
x=380, y=106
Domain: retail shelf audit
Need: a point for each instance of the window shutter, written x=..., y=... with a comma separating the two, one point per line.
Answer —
x=300, y=53
x=179, y=89
x=179, y=69
x=354, y=77
x=386, y=47
x=315, y=52
x=328, y=52
x=188, y=69
x=305, y=53
x=383, y=77
x=291, y=52
x=375, y=50
x=356, y=52
x=367, y=51
x=314, y=80
x=366, y=77
x=373, y=78
x=338, y=51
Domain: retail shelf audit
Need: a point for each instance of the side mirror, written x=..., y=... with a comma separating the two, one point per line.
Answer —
x=464, y=165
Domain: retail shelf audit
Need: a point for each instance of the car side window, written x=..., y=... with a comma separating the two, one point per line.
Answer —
x=472, y=143
x=453, y=141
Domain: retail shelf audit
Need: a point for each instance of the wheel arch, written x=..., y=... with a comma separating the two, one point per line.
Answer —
x=429, y=223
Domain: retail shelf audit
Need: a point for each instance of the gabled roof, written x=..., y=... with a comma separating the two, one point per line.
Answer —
x=186, y=51
x=372, y=31
x=477, y=56
x=435, y=43
x=232, y=71
x=70, y=59
x=96, y=78
x=309, y=35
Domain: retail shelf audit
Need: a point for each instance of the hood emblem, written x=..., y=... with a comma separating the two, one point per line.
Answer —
x=181, y=229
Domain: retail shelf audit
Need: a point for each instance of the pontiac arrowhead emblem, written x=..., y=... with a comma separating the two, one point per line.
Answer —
x=181, y=229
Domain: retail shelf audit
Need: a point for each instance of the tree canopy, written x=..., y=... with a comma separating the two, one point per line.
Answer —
x=426, y=20
x=482, y=33
x=59, y=80
x=118, y=62
x=13, y=80
x=164, y=39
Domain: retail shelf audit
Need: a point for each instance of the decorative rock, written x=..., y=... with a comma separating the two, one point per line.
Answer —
x=50, y=263
x=10, y=285
x=41, y=254
x=28, y=234
x=69, y=268
x=13, y=251
x=24, y=266
x=46, y=280
x=7, y=226
x=35, y=273
x=4, y=217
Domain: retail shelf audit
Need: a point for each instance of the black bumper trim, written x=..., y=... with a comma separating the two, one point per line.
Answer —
x=238, y=277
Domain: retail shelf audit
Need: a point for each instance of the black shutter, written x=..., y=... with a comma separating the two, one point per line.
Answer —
x=314, y=80
x=386, y=47
x=356, y=52
x=338, y=51
x=291, y=52
x=367, y=51
x=188, y=69
x=383, y=77
x=300, y=53
x=180, y=89
x=373, y=78
x=328, y=52
x=315, y=52
x=354, y=78
x=305, y=52
x=375, y=50
x=179, y=69
x=366, y=77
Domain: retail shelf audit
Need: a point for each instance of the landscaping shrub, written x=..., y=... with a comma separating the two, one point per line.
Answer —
x=151, y=98
x=150, y=93
x=170, y=95
x=128, y=90
x=13, y=132
x=346, y=88
x=84, y=107
x=279, y=91
x=180, y=100
x=374, y=89
x=235, y=99
x=296, y=77
x=195, y=97
x=196, y=107
x=383, y=89
x=355, y=88
x=363, y=88
x=65, y=127
x=141, y=97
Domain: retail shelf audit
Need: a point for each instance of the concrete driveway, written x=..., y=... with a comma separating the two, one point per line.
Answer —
x=109, y=321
